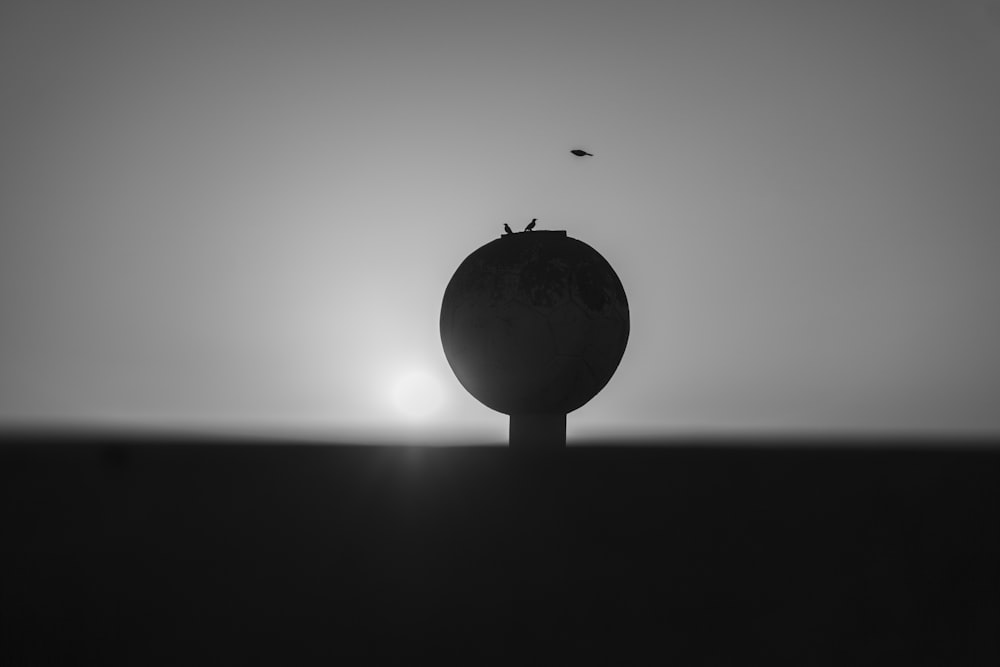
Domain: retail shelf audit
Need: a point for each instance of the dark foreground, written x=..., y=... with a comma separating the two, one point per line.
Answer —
x=128, y=551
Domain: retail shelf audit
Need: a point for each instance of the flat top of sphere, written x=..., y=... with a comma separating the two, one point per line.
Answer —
x=540, y=232
x=517, y=251
x=521, y=247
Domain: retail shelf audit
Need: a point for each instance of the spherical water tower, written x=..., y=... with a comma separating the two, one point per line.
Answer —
x=534, y=325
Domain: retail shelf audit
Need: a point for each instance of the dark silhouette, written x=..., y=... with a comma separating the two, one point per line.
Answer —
x=534, y=326
x=579, y=153
x=261, y=551
x=507, y=229
x=531, y=225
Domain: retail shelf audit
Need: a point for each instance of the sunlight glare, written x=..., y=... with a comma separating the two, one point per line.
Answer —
x=417, y=395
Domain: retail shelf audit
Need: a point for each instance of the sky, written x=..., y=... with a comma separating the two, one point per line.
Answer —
x=244, y=215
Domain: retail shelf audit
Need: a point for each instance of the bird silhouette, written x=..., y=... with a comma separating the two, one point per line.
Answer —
x=531, y=225
x=580, y=153
x=507, y=229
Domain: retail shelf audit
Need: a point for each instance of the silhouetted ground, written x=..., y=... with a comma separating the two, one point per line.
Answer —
x=152, y=552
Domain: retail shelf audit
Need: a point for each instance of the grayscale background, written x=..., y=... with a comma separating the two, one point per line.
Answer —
x=244, y=214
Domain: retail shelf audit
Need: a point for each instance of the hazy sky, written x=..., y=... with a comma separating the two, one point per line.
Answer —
x=246, y=213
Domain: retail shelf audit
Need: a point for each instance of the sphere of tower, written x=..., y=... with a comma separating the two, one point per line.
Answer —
x=534, y=323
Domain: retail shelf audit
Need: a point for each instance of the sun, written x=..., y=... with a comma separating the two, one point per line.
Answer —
x=417, y=395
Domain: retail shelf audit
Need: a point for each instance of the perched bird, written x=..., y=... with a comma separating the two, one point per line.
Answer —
x=531, y=225
x=579, y=153
x=507, y=229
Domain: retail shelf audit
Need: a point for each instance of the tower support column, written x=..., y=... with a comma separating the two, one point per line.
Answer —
x=538, y=432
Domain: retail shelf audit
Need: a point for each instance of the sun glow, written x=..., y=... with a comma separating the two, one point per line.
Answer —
x=417, y=395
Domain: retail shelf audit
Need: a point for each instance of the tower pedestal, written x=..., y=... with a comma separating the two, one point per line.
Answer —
x=538, y=432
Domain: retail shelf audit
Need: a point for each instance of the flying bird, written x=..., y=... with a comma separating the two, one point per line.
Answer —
x=507, y=229
x=531, y=225
x=580, y=153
